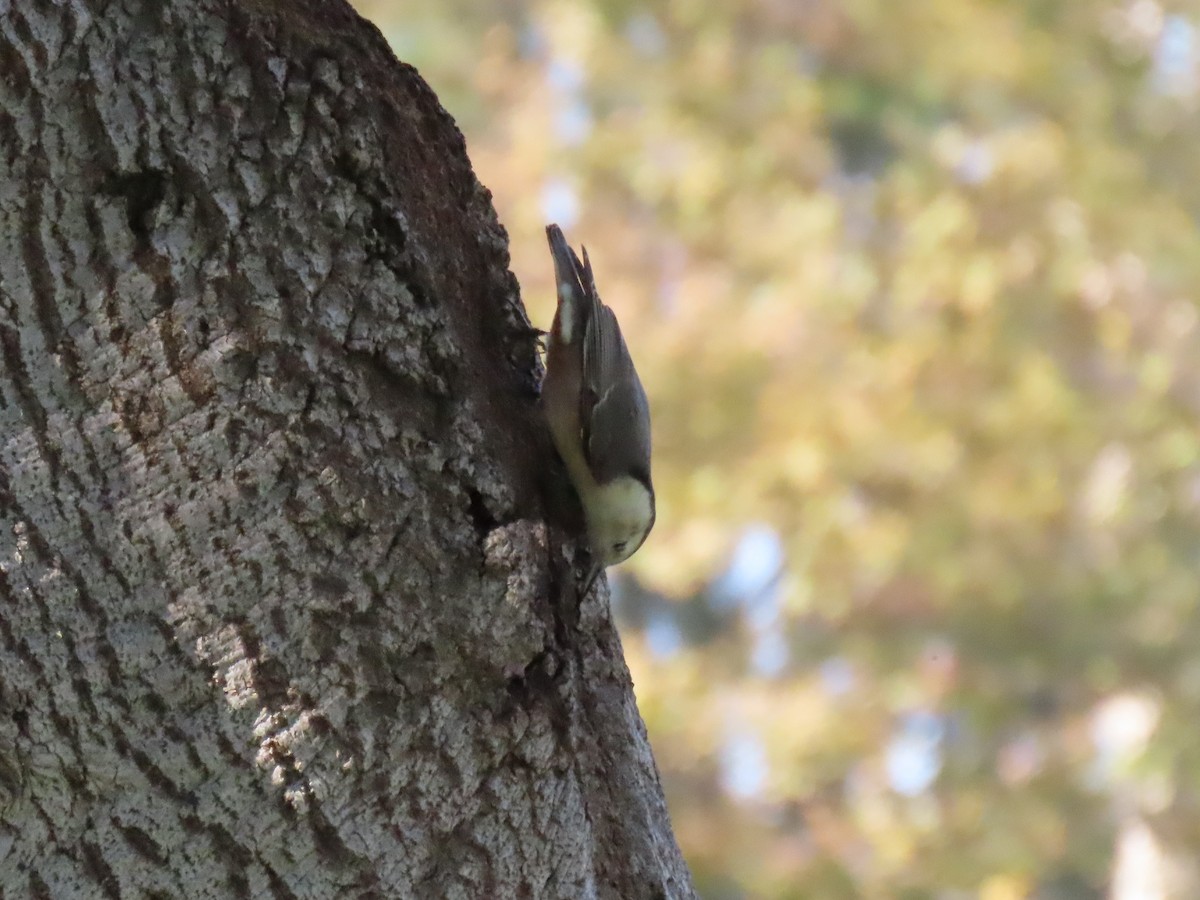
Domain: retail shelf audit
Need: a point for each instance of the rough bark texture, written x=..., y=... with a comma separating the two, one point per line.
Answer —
x=280, y=615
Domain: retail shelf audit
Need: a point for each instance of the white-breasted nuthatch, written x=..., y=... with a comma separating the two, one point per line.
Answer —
x=598, y=413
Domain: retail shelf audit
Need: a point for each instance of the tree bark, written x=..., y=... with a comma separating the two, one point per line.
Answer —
x=280, y=611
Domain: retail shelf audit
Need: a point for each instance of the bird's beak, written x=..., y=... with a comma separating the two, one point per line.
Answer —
x=591, y=579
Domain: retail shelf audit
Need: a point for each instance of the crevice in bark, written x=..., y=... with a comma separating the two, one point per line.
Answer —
x=142, y=192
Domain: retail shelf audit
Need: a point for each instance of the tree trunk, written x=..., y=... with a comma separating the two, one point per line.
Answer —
x=280, y=615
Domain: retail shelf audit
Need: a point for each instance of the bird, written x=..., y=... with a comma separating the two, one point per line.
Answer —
x=597, y=412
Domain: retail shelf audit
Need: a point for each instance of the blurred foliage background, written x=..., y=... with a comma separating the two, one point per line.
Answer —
x=913, y=288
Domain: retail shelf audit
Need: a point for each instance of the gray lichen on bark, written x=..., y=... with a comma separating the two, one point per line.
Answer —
x=280, y=611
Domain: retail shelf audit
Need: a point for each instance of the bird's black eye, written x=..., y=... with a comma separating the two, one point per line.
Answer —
x=619, y=547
